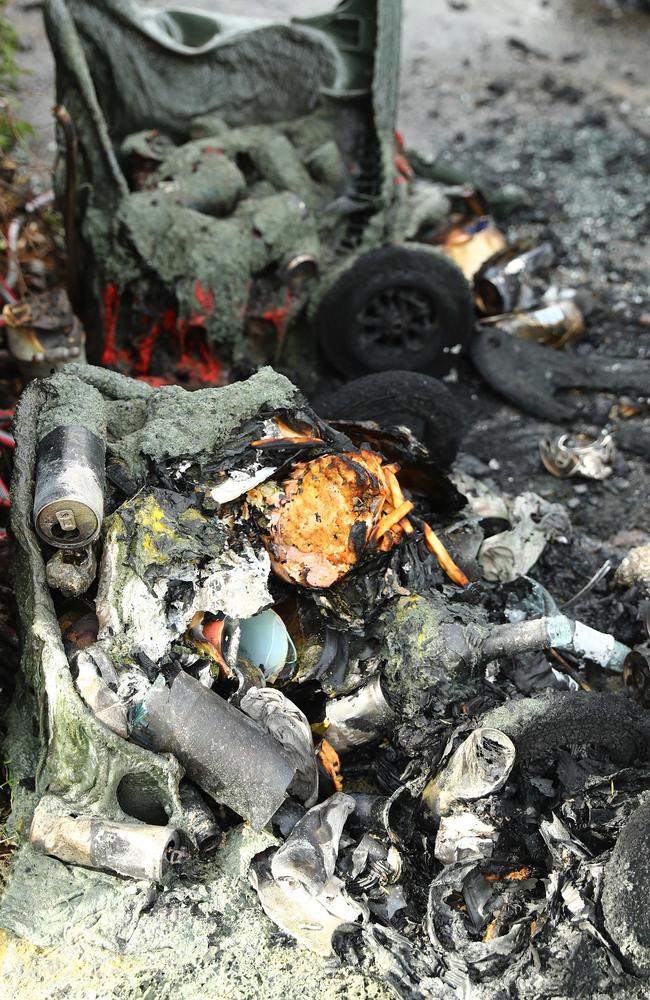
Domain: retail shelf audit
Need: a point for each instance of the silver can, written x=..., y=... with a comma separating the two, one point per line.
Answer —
x=69, y=491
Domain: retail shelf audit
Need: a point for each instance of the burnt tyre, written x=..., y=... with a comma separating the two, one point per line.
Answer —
x=395, y=308
x=399, y=398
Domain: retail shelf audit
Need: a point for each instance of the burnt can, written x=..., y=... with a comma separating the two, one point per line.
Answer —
x=365, y=716
x=201, y=823
x=138, y=850
x=556, y=325
x=223, y=751
x=509, y=283
x=69, y=491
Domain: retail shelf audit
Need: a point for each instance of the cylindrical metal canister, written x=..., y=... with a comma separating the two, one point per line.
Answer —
x=361, y=717
x=138, y=850
x=508, y=283
x=480, y=766
x=222, y=750
x=69, y=491
x=201, y=824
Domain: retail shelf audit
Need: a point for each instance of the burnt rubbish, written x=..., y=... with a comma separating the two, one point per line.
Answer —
x=288, y=627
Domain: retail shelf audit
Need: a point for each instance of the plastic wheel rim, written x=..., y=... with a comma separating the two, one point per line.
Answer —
x=397, y=319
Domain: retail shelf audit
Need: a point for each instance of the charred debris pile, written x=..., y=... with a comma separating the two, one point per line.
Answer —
x=236, y=613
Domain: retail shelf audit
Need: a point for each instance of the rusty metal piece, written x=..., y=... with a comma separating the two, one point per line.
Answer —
x=556, y=325
x=471, y=244
x=579, y=455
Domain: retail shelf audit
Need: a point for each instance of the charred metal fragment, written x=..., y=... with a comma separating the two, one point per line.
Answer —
x=97, y=683
x=373, y=864
x=202, y=826
x=362, y=717
x=289, y=727
x=450, y=935
x=137, y=850
x=290, y=905
x=579, y=455
x=512, y=283
x=310, y=853
x=415, y=973
x=297, y=885
x=221, y=749
x=472, y=243
x=480, y=766
x=463, y=835
x=556, y=325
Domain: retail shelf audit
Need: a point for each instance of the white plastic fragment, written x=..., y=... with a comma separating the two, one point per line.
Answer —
x=240, y=481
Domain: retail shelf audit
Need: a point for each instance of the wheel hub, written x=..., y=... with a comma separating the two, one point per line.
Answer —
x=397, y=319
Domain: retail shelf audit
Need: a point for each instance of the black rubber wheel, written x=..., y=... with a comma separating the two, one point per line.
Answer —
x=395, y=308
x=391, y=399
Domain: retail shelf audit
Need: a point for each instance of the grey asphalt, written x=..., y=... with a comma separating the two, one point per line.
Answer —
x=455, y=52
